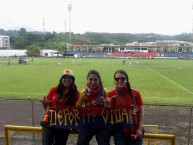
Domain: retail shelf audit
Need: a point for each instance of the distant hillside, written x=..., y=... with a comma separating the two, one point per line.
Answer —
x=122, y=38
x=20, y=39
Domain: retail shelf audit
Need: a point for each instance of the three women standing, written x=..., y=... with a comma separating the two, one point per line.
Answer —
x=94, y=94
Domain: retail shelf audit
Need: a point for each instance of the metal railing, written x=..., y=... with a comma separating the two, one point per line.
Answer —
x=190, y=122
x=169, y=137
x=156, y=132
x=7, y=128
x=33, y=129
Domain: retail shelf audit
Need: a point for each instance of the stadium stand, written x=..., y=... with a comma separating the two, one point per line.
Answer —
x=87, y=53
x=178, y=55
x=134, y=54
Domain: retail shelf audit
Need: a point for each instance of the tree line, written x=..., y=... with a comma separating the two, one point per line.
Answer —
x=21, y=39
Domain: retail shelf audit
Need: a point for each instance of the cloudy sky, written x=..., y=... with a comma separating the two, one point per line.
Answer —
x=168, y=17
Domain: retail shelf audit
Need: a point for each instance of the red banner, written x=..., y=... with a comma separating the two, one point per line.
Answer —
x=82, y=117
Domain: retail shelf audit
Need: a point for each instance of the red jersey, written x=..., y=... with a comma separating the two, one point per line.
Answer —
x=123, y=99
x=55, y=102
x=88, y=100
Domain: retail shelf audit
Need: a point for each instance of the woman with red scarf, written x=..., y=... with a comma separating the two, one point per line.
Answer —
x=125, y=96
x=93, y=95
x=62, y=95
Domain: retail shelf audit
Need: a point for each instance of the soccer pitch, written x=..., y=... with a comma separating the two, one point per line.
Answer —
x=159, y=81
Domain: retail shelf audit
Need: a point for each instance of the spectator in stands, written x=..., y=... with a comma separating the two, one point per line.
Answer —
x=93, y=95
x=124, y=96
x=64, y=94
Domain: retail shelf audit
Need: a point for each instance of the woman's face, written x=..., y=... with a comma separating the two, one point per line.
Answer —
x=120, y=80
x=93, y=81
x=67, y=81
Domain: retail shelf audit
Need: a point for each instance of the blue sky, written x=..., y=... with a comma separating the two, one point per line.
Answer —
x=168, y=17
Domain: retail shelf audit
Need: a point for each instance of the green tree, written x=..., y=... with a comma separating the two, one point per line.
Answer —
x=20, y=42
x=33, y=50
x=22, y=32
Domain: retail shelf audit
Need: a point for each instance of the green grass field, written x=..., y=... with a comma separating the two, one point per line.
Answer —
x=159, y=81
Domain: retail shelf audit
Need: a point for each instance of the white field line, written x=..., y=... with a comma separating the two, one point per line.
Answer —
x=161, y=98
x=170, y=80
x=21, y=93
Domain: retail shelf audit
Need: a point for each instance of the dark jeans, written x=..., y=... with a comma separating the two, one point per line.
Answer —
x=121, y=138
x=130, y=141
x=102, y=136
x=54, y=136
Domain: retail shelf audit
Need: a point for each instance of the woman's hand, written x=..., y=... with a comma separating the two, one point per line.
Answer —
x=139, y=132
x=106, y=101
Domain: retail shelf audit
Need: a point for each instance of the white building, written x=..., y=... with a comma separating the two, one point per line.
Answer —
x=4, y=42
x=17, y=53
x=11, y=53
x=49, y=53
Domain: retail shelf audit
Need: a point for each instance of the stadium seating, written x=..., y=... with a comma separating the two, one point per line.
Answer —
x=134, y=54
x=86, y=53
x=178, y=55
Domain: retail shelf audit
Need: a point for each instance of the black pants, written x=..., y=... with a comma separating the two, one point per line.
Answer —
x=102, y=136
x=122, y=138
x=54, y=136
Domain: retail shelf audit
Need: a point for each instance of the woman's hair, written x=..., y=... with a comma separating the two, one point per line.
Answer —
x=72, y=90
x=127, y=83
x=101, y=91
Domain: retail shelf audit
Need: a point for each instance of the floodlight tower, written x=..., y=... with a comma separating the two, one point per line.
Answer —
x=65, y=27
x=192, y=25
x=69, y=10
x=43, y=24
x=191, y=39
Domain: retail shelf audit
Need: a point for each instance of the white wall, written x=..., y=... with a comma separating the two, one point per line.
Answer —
x=10, y=53
x=48, y=53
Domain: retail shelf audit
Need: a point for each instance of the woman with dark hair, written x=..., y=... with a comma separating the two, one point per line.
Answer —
x=93, y=95
x=62, y=95
x=125, y=96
